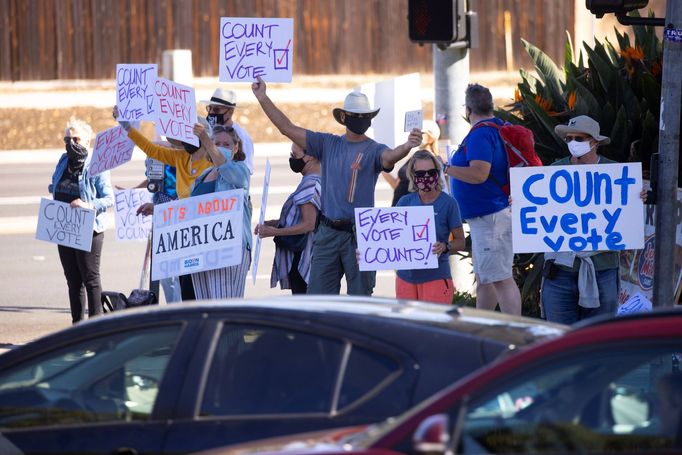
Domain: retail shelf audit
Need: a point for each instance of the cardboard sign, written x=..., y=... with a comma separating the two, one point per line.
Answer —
x=135, y=91
x=261, y=219
x=413, y=119
x=577, y=208
x=129, y=225
x=396, y=238
x=112, y=149
x=62, y=224
x=637, y=266
x=197, y=234
x=395, y=97
x=176, y=108
x=637, y=303
x=252, y=47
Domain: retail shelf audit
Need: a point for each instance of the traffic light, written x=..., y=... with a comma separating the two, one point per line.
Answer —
x=437, y=21
x=601, y=7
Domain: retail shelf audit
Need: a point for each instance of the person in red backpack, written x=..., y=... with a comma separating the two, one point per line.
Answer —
x=479, y=171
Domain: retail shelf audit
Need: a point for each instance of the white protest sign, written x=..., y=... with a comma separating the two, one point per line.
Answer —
x=197, y=234
x=261, y=219
x=413, y=119
x=129, y=225
x=62, y=224
x=252, y=47
x=396, y=238
x=395, y=97
x=577, y=208
x=112, y=148
x=135, y=91
x=176, y=109
x=637, y=303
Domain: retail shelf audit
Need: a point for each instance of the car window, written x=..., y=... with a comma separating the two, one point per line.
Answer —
x=271, y=370
x=606, y=401
x=365, y=370
x=109, y=378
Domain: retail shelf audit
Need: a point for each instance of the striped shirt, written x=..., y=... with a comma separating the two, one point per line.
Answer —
x=308, y=191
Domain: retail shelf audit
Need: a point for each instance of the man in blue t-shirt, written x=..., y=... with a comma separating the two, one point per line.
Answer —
x=478, y=169
x=351, y=165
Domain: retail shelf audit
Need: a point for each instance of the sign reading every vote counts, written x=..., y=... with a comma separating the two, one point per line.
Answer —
x=577, y=208
x=396, y=238
x=252, y=47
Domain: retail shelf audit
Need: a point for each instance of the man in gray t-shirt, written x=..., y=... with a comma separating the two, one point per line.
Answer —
x=351, y=165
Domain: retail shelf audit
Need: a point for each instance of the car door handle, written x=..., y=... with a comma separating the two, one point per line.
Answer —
x=125, y=451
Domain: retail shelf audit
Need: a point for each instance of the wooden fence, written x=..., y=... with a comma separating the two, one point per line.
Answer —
x=85, y=39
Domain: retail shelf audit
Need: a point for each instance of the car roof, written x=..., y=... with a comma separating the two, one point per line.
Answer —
x=656, y=313
x=513, y=331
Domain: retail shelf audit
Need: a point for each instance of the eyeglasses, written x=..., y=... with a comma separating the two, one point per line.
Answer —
x=67, y=139
x=222, y=129
x=577, y=138
x=429, y=172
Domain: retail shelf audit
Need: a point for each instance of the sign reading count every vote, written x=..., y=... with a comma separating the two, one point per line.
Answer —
x=577, y=208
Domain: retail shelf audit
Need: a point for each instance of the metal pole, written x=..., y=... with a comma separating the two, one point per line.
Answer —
x=668, y=148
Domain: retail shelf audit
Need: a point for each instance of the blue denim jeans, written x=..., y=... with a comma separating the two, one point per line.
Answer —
x=560, y=296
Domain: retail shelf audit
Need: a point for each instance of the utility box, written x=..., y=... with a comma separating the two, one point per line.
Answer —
x=176, y=65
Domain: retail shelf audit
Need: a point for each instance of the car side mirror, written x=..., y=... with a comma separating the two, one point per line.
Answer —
x=432, y=435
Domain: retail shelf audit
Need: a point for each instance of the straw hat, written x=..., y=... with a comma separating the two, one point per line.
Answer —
x=222, y=97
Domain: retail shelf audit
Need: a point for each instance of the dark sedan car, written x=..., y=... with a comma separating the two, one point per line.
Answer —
x=194, y=376
x=610, y=386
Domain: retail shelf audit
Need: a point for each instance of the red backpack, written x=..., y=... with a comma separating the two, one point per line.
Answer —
x=519, y=143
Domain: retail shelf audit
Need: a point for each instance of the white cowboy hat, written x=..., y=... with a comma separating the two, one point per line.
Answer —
x=356, y=103
x=582, y=124
x=222, y=97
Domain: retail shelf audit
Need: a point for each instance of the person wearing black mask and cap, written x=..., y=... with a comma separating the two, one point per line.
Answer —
x=351, y=165
x=220, y=110
x=71, y=183
x=297, y=221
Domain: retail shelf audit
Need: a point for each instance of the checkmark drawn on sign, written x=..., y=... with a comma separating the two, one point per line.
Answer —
x=284, y=53
x=420, y=232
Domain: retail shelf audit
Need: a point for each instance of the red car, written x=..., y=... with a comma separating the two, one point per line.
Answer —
x=608, y=386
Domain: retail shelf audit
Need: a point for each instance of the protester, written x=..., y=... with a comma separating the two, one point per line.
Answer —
x=220, y=110
x=188, y=165
x=580, y=285
x=298, y=218
x=350, y=167
x=431, y=285
x=72, y=183
x=229, y=172
x=478, y=169
x=400, y=185
x=166, y=193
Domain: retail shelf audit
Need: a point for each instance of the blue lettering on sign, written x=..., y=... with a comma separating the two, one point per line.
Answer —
x=577, y=231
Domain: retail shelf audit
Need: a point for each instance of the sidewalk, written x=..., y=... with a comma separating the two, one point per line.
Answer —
x=313, y=89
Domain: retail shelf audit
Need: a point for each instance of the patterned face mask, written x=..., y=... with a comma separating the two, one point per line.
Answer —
x=426, y=180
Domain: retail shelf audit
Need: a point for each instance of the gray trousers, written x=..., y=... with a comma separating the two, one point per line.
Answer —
x=334, y=257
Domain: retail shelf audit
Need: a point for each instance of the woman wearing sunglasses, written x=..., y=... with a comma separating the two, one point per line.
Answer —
x=229, y=172
x=431, y=285
x=73, y=184
x=566, y=297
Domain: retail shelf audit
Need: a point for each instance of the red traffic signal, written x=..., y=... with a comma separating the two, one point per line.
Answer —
x=436, y=21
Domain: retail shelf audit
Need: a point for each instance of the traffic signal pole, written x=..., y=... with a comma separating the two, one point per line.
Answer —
x=451, y=77
x=668, y=147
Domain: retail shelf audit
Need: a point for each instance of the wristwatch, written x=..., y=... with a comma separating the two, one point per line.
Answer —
x=445, y=169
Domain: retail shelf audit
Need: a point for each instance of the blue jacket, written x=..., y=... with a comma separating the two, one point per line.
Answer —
x=95, y=190
x=234, y=175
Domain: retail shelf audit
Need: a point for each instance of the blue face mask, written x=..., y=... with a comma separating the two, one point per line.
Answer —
x=227, y=153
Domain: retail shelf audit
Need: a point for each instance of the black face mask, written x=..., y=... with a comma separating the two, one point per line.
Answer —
x=358, y=125
x=296, y=164
x=215, y=119
x=76, y=154
x=190, y=148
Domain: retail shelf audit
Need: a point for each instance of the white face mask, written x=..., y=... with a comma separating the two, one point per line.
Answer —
x=579, y=149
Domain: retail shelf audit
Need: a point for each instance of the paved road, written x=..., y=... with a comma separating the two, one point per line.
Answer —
x=34, y=295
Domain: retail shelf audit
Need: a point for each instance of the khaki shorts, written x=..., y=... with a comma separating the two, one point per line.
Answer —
x=491, y=246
